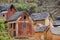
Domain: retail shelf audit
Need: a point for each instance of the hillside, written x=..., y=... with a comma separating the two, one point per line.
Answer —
x=40, y=5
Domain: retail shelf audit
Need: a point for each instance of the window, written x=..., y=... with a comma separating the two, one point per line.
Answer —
x=24, y=17
x=14, y=34
x=24, y=24
x=14, y=25
x=3, y=15
x=10, y=25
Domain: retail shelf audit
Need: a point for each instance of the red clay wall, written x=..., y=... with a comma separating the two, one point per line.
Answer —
x=49, y=35
x=28, y=30
x=10, y=13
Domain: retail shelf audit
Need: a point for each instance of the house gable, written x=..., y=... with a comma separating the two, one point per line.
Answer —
x=11, y=11
x=25, y=23
x=24, y=14
x=16, y=16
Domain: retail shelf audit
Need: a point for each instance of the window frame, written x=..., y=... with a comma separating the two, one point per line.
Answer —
x=14, y=25
x=10, y=25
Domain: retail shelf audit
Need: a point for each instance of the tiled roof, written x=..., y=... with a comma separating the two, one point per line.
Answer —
x=39, y=16
x=16, y=16
x=4, y=12
x=55, y=30
x=57, y=22
x=41, y=28
x=4, y=7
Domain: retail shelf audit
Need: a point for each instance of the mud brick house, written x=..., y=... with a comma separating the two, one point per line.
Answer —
x=40, y=32
x=3, y=11
x=20, y=24
x=42, y=18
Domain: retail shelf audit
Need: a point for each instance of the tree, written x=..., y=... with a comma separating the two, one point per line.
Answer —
x=2, y=25
x=29, y=7
x=3, y=31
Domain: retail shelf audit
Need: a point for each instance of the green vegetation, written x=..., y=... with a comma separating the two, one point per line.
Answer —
x=4, y=31
x=5, y=36
x=26, y=7
x=2, y=24
x=29, y=7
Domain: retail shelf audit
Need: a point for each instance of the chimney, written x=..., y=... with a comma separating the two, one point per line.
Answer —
x=11, y=11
